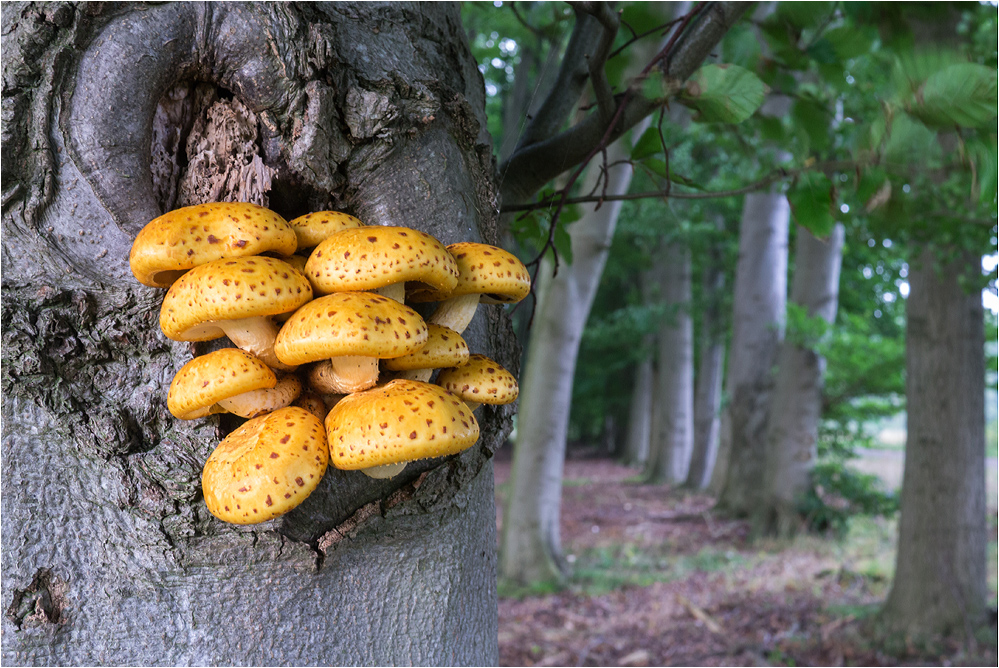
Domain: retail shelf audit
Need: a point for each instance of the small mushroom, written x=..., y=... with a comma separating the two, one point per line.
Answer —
x=399, y=422
x=481, y=381
x=485, y=273
x=266, y=467
x=382, y=259
x=185, y=238
x=353, y=330
x=229, y=380
x=236, y=298
x=313, y=228
x=444, y=348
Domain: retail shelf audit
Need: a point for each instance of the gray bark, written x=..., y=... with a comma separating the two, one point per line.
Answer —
x=940, y=574
x=707, y=393
x=673, y=438
x=640, y=415
x=757, y=330
x=109, y=555
x=792, y=442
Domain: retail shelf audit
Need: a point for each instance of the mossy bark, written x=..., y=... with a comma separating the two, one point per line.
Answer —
x=112, y=113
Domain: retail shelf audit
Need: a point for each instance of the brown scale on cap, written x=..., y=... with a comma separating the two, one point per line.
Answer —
x=481, y=381
x=185, y=238
x=374, y=257
x=353, y=330
x=235, y=298
x=401, y=421
x=313, y=228
x=266, y=467
x=444, y=348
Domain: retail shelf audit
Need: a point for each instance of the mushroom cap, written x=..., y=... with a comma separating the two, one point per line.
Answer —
x=400, y=421
x=208, y=379
x=364, y=324
x=230, y=289
x=481, y=380
x=266, y=467
x=372, y=257
x=444, y=348
x=495, y=274
x=185, y=238
x=313, y=228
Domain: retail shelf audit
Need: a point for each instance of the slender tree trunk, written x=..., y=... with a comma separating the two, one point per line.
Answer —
x=531, y=550
x=109, y=554
x=797, y=399
x=940, y=582
x=673, y=440
x=640, y=415
x=707, y=393
x=757, y=330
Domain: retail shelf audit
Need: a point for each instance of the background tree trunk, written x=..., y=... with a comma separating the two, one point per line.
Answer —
x=707, y=392
x=109, y=555
x=640, y=415
x=757, y=330
x=792, y=444
x=940, y=583
x=673, y=438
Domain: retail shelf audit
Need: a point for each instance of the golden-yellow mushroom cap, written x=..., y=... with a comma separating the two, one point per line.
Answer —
x=208, y=379
x=313, y=228
x=498, y=276
x=481, y=380
x=444, y=348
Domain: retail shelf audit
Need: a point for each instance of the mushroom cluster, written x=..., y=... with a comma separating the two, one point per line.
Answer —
x=331, y=365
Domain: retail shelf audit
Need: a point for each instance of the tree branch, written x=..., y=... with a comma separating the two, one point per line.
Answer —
x=597, y=60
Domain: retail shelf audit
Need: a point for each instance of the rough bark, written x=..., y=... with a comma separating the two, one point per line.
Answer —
x=708, y=389
x=673, y=438
x=109, y=555
x=792, y=442
x=530, y=550
x=940, y=574
x=757, y=330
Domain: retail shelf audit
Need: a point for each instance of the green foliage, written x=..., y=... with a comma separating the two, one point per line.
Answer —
x=811, y=199
x=839, y=493
x=723, y=94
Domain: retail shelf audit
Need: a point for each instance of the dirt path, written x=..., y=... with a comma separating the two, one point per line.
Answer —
x=660, y=580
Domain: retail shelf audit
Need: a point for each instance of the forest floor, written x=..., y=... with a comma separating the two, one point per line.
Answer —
x=659, y=579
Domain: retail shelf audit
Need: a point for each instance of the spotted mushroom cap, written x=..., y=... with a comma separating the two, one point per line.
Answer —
x=230, y=289
x=208, y=379
x=400, y=421
x=368, y=258
x=185, y=238
x=350, y=323
x=481, y=380
x=444, y=348
x=313, y=228
x=495, y=274
x=266, y=467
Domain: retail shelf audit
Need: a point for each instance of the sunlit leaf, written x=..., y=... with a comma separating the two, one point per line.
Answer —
x=963, y=94
x=811, y=200
x=723, y=94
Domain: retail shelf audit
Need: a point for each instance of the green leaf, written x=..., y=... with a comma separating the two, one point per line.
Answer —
x=851, y=41
x=723, y=94
x=910, y=141
x=823, y=52
x=813, y=120
x=984, y=157
x=804, y=14
x=648, y=144
x=659, y=167
x=811, y=200
x=563, y=242
x=963, y=94
x=741, y=46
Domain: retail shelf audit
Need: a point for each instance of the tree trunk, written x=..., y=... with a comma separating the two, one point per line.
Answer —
x=112, y=112
x=940, y=582
x=531, y=549
x=673, y=440
x=792, y=444
x=707, y=392
x=640, y=416
x=757, y=330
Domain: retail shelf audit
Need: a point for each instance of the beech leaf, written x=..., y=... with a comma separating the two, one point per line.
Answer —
x=962, y=94
x=811, y=200
x=723, y=94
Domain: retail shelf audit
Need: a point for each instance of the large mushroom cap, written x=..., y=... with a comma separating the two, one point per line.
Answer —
x=185, y=238
x=401, y=421
x=498, y=276
x=313, y=228
x=374, y=257
x=444, y=348
x=208, y=379
x=230, y=289
x=266, y=467
x=350, y=324
x=481, y=381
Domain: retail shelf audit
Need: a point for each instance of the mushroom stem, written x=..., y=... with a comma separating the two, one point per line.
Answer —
x=255, y=335
x=396, y=291
x=384, y=471
x=344, y=375
x=455, y=312
x=422, y=375
x=258, y=402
